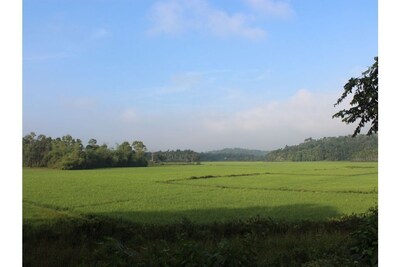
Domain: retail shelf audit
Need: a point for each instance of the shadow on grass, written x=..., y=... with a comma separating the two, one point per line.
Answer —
x=220, y=222
x=294, y=212
x=284, y=212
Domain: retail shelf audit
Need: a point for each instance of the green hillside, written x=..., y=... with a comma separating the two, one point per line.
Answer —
x=359, y=148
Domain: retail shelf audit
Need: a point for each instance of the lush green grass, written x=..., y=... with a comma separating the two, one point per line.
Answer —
x=203, y=193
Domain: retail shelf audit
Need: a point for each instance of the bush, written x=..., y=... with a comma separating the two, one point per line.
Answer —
x=365, y=246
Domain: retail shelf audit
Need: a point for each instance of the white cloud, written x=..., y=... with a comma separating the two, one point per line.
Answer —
x=275, y=124
x=270, y=125
x=178, y=16
x=167, y=17
x=223, y=24
x=265, y=125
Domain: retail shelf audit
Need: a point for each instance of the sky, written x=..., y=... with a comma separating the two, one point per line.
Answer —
x=193, y=74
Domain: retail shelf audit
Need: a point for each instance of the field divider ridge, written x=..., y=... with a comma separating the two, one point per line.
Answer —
x=57, y=209
x=180, y=181
x=104, y=203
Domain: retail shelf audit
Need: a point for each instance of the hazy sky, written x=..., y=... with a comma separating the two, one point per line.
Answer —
x=196, y=74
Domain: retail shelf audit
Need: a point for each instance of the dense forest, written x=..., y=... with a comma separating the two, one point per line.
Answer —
x=70, y=154
x=359, y=148
x=178, y=155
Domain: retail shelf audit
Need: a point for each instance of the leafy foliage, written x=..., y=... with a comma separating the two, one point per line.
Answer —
x=36, y=149
x=364, y=105
x=68, y=153
x=364, y=108
x=365, y=246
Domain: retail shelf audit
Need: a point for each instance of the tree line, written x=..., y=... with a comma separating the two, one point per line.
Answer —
x=187, y=155
x=359, y=148
x=68, y=153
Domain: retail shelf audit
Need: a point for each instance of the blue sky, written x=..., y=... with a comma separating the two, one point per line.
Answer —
x=192, y=74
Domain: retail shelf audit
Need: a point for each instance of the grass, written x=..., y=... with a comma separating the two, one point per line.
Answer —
x=213, y=214
x=203, y=193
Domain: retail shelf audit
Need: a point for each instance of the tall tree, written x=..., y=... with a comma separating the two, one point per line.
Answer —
x=139, y=149
x=364, y=105
x=123, y=155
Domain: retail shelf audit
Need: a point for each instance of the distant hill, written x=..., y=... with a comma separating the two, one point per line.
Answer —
x=233, y=154
x=236, y=151
x=359, y=148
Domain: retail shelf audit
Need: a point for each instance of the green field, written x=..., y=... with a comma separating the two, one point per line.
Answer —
x=219, y=191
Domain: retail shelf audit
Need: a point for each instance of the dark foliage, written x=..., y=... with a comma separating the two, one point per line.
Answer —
x=98, y=241
x=233, y=154
x=365, y=246
x=364, y=105
x=190, y=156
x=178, y=155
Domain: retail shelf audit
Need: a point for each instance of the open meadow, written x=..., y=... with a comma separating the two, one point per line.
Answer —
x=219, y=191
